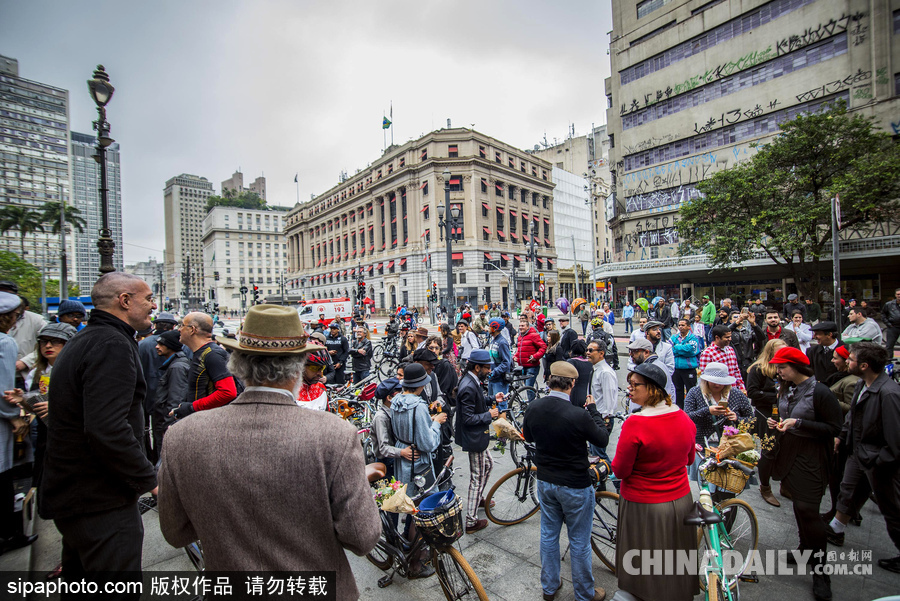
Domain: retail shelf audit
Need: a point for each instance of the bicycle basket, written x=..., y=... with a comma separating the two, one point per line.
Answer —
x=729, y=478
x=368, y=393
x=440, y=518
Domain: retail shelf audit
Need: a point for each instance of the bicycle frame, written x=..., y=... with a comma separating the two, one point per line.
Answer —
x=714, y=548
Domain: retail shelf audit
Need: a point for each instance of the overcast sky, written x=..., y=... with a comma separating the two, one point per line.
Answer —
x=277, y=87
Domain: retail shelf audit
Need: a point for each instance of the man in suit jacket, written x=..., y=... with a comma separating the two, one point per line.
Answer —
x=820, y=354
x=474, y=416
x=264, y=484
x=95, y=467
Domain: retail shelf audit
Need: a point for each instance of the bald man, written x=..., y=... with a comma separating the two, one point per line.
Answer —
x=210, y=385
x=95, y=468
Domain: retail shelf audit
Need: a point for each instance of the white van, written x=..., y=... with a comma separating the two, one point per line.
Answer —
x=326, y=308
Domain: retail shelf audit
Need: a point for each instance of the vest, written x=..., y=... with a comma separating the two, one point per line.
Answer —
x=798, y=404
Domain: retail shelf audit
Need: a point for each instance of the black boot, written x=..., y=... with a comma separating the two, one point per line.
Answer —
x=822, y=587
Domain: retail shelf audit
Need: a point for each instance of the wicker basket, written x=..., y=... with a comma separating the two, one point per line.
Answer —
x=443, y=525
x=729, y=478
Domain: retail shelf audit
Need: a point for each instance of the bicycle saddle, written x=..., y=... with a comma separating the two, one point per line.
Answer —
x=700, y=516
x=375, y=471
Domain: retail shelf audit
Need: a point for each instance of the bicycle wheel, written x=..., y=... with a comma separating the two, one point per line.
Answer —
x=387, y=368
x=514, y=496
x=716, y=588
x=378, y=353
x=380, y=557
x=457, y=578
x=518, y=401
x=194, y=552
x=604, y=531
x=741, y=536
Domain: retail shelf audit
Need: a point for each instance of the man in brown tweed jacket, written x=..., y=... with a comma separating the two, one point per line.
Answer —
x=261, y=482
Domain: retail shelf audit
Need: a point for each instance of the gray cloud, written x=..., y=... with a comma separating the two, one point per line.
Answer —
x=280, y=86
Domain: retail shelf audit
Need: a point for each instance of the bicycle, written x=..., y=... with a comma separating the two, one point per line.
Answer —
x=727, y=526
x=393, y=550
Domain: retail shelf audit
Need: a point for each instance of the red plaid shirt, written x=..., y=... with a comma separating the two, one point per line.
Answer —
x=714, y=354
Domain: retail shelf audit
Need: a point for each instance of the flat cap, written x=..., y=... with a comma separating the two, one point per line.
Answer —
x=640, y=344
x=564, y=369
x=825, y=326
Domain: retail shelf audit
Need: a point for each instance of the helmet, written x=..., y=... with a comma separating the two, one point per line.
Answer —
x=504, y=314
x=317, y=358
x=596, y=322
x=496, y=324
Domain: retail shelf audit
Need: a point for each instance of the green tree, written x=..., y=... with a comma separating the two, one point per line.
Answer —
x=244, y=200
x=779, y=201
x=28, y=278
x=23, y=219
x=72, y=216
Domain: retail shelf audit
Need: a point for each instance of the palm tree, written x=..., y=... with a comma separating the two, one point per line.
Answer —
x=15, y=217
x=72, y=216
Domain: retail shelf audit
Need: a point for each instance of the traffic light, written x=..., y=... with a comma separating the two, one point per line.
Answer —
x=360, y=291
x=255, y=294
x=216, y=275
x=434, y=292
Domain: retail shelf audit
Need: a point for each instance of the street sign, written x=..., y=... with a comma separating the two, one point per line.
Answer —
x=243, y=290
x=542, y=279
x=541, y=287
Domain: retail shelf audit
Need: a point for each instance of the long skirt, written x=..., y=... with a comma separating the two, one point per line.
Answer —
x=660, y=527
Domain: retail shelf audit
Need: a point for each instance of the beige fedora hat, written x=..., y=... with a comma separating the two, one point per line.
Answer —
x=270, y=330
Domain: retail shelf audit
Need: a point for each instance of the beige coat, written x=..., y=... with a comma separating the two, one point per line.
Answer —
x=267, y=485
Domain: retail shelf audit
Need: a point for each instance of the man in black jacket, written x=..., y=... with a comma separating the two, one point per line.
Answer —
x=871, y=434
x=474, y=416
x=820, y=354
x=339, y=348
x=171, y=388
x=890, y=312
x=567, y=337
x=559, y=431
x=95, y=468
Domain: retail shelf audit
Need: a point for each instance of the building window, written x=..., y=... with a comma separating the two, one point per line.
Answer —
x=522, y=167
x=483, y=153
x=402, y=161
x=425, y=191
x=456, y=183
x=453, y=151
x=512, y=163
x=497, y=157
x=498, y=189
x=424, y=154
x=484, y=185
x=648, y=6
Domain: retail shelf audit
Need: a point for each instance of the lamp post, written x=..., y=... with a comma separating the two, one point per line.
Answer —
x=448, y=226
x=102, y=92
x=429, y=296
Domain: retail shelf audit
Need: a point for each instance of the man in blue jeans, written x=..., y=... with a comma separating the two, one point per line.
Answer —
x=559, y=431
x=628, y=316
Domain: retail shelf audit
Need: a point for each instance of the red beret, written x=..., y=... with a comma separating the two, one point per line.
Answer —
x=842, y=351
x=789, y=354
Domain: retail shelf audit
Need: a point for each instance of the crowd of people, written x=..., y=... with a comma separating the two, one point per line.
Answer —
x=144, y=402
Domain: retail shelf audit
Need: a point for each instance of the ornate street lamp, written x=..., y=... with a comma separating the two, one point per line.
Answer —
x=448, y=226
x=102, y=92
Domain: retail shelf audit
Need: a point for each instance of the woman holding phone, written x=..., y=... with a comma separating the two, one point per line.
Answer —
x=712, y=404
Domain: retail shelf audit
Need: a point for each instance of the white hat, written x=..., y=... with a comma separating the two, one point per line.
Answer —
x=9, y=302
x=717, y=373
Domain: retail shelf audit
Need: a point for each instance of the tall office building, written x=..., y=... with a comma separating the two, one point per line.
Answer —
x=696, y=85
x=243, y=247
x=86, y=198
x=184, y=205
x=34, y=154
x=236, y=184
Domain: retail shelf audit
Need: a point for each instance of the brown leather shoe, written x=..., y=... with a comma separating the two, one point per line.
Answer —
x=768, y=497
x=599, y=594
x=479, y=525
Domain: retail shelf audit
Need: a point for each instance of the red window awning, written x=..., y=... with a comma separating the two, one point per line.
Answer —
x=513, y=213
x=453, y=148
x=487, y=230
x=403, y=261
x=540, y=260
x=501, y=211
x=425, y=258
x=394, y=220
x=504, y=257
x=394, y=243
x=379, y=266
x=499, y=187
x=406, y=241
x=370, y=268
x=484, y=182
x=372, y=227
x=514, y=235
x=454, y=181
x=423, y=185
x=423, y=209
x=372, y=247
x=547, y=241
x=486, y=206
x=527, y=237
x=501, y=234
x=353, y=253
x=536, y=218
x=383, y=245
x=551, y=261
x=488, y=256
x=457, y=256
x=389, y=265
x=424, y=154
x=547, y=220
x=520, y=259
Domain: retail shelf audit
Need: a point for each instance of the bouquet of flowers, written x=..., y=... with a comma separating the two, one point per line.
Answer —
x=734, y=441
x=391, y=496
x=752, y=456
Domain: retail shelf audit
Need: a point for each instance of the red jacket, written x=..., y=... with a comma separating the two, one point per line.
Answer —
x=530, y=348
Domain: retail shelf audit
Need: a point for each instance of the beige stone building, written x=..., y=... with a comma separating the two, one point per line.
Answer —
x=383, y=222
x=184, y=207
x=694, y=83
x=236, y=183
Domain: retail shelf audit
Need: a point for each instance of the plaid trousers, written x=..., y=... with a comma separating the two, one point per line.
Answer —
x=480, y=466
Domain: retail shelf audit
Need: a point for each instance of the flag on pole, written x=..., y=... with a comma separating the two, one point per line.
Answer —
x=295, y=178
x=385, y=123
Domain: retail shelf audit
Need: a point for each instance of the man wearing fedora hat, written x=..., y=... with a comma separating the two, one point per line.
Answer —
x=295, y=490
x=474, y=415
